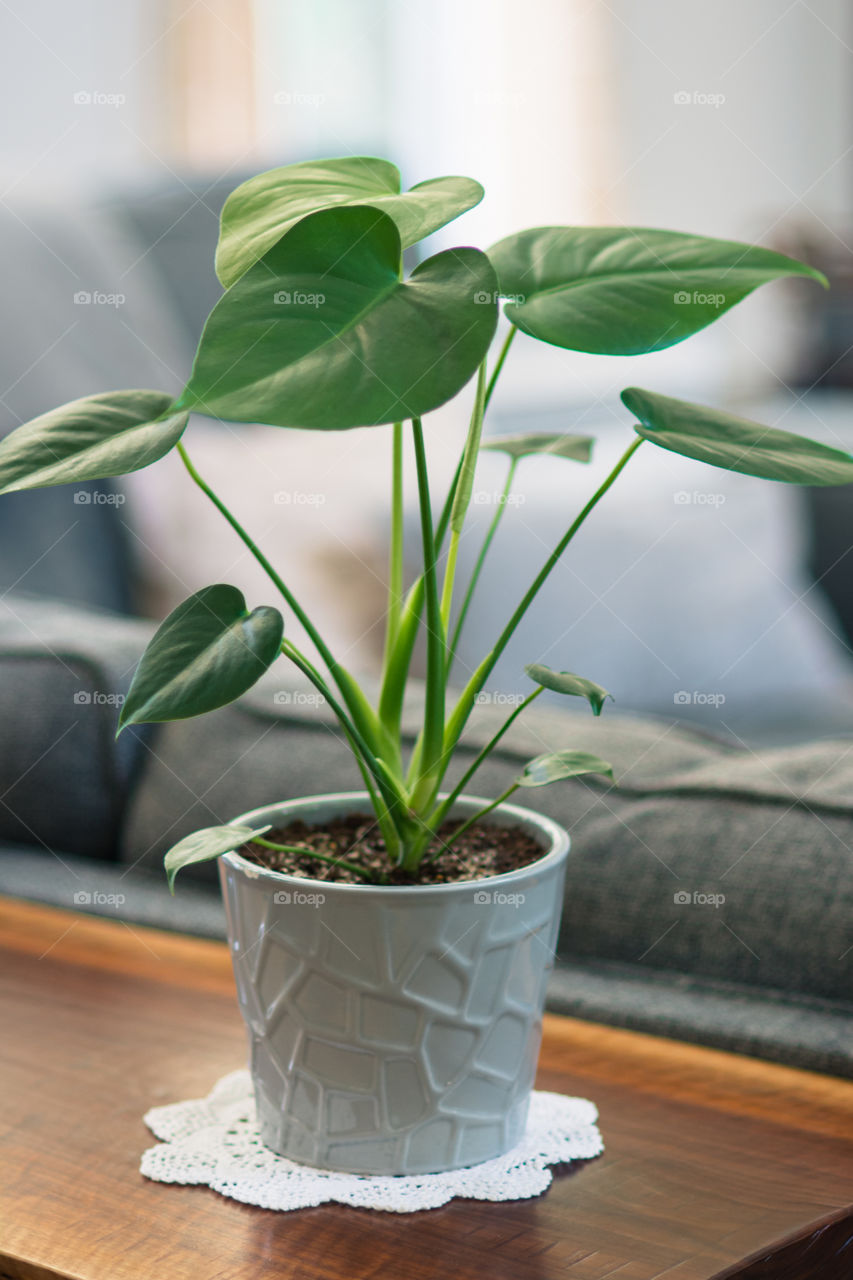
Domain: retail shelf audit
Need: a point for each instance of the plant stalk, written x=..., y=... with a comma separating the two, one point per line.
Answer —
x=481, y=558
x=362, y=715
x=447, y=803
x=361, y=872
x=462, y=710
x=481, y=813
x=504, y=352
x=433, y=726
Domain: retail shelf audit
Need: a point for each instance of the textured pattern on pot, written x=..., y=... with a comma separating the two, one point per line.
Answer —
x=393, y=1029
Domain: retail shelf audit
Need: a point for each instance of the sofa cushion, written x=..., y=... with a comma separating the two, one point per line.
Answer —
x=63, y=675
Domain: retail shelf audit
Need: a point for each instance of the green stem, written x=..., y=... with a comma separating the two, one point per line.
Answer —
x=481, y=813
x=504, y=352
x=351, y=694
x=433, y=726
x=364, y=757
x=396, y=671
x=449, y=576
x=285, y=591
x=311, y=853
x=444, y=518
x=395, y=558
x=462, y=710
x=481, y=558
x=462, y=495
x=444, y=808
x=441, y=528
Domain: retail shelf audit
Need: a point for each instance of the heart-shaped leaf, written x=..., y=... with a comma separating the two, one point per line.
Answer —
x=204, y=845
x=260, y=211
x=90, y=439
x=322, y=333
x=577, y=448
x=557, y=765
x=737, y=444
x=208, y=652
x=627, y=290
x=565, y=682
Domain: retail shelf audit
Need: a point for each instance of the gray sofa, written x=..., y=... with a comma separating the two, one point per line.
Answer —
x=708, y=897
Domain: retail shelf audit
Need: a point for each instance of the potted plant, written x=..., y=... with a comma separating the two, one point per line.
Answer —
x=391, y=968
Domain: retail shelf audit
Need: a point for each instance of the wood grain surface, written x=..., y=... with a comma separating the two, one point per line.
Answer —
x=716, y=1165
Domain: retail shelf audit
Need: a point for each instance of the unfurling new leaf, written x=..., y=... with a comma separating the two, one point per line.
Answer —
x=565, y=682
x=557, y=765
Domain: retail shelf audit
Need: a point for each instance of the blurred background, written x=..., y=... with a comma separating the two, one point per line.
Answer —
x=693, y=593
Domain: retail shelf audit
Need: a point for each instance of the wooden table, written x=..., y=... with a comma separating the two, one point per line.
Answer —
x=711, y=1158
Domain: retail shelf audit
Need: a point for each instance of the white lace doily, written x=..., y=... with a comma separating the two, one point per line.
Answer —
x=214, y=1142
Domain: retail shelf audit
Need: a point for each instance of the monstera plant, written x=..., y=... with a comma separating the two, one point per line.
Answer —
x=319, y=328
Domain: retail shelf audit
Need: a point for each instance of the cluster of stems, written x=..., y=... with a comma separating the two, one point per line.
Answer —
x=405, y=788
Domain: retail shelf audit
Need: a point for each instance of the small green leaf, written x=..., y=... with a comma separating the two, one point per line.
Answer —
x=565, y=682
x=577, y=448
x=736, y=444
x=90, y=439
x=627, y=290
x=204, y=845
x=208, y=652
x=260, y=211
x=557, y=765
x=322, y=333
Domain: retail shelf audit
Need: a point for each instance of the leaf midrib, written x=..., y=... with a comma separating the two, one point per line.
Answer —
x=610, y=276
x=162, y=689
x=86, y=453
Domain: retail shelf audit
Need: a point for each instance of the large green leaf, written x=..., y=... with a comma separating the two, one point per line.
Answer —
x=627, y=290
x=737, y=444
x=204, y=845
x=260, y=211
x=90, y=439
x=557, y=765
x=208, y=652
x=322, y=333
x=565, y=682
x=578, y=448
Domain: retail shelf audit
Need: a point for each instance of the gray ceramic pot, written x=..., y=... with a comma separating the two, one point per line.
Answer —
x=393, y=1030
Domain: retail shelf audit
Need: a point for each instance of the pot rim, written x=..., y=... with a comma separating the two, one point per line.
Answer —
x=558, y=839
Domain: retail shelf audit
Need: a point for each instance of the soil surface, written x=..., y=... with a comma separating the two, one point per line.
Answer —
x=482, y=851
